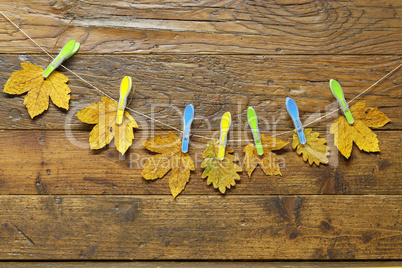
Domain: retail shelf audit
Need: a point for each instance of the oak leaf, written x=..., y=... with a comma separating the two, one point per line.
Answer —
x=170, y=157
x=268, y=161
x=221, y=173
x=103, y=115
x=360, y=132
x=39, y=89
x=314, y=150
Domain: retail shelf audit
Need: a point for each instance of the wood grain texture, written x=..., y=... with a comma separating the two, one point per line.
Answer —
x=209, y=26
x=166, y=84
x=200, y=227
x=53, y=162
x=204, y=264
x=61, y=201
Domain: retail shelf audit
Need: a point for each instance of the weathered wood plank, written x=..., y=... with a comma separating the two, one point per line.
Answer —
x=248, y=223
x=166, y=84
x=200, y=227
x=52, y=162
x=285, y=27
x=207, y=264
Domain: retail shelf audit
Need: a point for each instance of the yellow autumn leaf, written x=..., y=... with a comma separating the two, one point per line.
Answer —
x=221, y=173
x=360, y=132
x=268, y=161
x=39, y=89
x=103, y=115
x=314, y=150
x=170, y=157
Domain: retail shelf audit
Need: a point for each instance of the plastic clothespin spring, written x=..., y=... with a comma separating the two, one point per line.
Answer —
x=67, y=51
x=253, y=122
x=293, y=111
x=125, y=89
x=225, y=125
x=188, y=118
x=337, y=91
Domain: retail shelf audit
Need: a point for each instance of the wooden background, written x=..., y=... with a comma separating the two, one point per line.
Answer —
x=61, y=201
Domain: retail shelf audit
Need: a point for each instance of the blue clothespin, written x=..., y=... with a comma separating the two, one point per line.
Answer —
x=188, y=118
x=293, y=111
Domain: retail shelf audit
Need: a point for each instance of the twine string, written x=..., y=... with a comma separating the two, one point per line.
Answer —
x=173, y=127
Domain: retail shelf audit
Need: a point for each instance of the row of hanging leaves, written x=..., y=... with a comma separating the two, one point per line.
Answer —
x=221, y=174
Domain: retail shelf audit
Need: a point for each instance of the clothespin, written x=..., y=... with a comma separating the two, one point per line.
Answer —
x=188, y=118
x=68, y=50
x=336, y=90
x=125, y=89
x=225, y=125
x=253, y=122
x=293, y=111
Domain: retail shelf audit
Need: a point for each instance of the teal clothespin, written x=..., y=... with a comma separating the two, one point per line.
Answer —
x=293, y=111
x=336, y=90
x=253, y=122
x=188, y=118
x=125, y=89
x=68, y=50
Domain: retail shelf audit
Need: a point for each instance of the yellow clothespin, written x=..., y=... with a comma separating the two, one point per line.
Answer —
x=225, y=125
x=125, y=88
x=67, y=51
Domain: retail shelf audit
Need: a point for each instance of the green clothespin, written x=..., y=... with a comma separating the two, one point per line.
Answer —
x=336, y=90
x=68, y=50
x=253, y=122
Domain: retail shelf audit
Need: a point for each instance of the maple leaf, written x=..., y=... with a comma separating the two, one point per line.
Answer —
x=314, y=150
x=360, y=132
x=268, y=161
x=39, y=89
x=221, y=173
x=103, y=114
x=170, y=157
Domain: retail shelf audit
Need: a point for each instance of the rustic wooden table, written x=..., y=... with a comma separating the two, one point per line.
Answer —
x=61, y=201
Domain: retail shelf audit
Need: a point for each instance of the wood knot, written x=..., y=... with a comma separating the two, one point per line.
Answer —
x=325, y=225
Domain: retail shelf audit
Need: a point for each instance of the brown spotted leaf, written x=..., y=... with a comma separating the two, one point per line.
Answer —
x=169, y=157
x=39, y=89
x=268, y=161
x=221, y=173
x=103, y=115
x=314, y=150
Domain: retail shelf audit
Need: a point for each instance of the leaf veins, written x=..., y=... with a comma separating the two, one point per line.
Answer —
x=169, y=157
x=360, y=132
x=221, y=173
x=103, y=115
x=39, y=89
